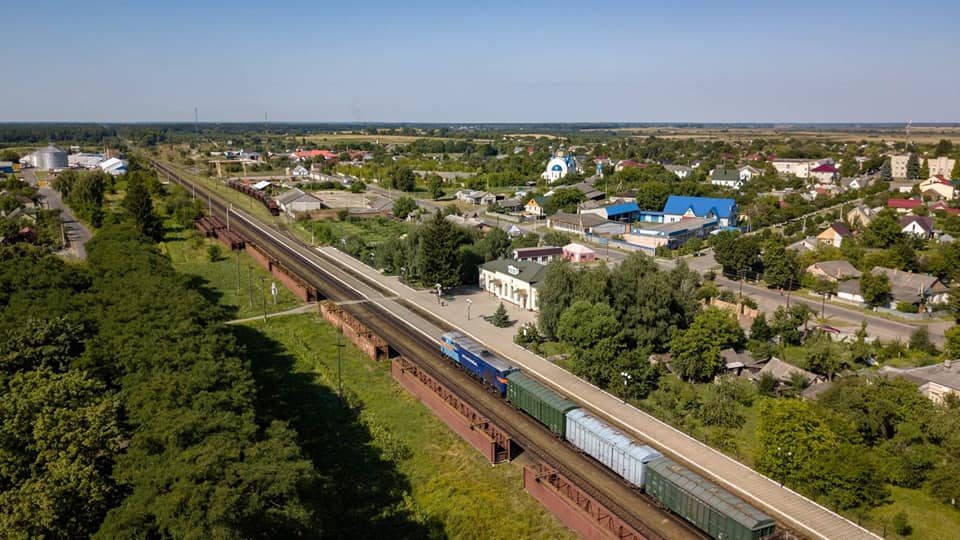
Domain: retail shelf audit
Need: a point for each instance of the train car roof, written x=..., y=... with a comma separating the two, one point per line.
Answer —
x=480, y=350
x=613, y=436
x=711, y=494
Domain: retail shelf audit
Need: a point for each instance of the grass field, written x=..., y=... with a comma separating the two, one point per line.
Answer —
x=219, y=279
x=449, y=481
x=929, y=518
x=918, y=135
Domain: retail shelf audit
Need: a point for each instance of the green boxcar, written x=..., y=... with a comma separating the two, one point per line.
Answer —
x=547, y=406
x=712, y=509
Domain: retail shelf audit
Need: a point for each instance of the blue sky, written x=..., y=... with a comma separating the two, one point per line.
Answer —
x=493, y=61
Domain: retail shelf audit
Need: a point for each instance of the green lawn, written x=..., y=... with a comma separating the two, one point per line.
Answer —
x=450, y=483
x=930, y=519
x=188, y=252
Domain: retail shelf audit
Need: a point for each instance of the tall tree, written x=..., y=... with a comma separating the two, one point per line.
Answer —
x=735, y=252
x=886, y=171
x=875, y=288
x=924, y=172
x=884, y=231
x=913, y=167
x=781, y=267
x=696, y=350
x=794, y=441
x=139, y=207
x=435, y=186
x=438, y=257
x=404, y=206
x=560, y=284
x=495, y=244
x=402, y=177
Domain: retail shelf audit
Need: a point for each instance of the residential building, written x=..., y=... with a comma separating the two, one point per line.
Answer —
x=513, y=281
x=299, y=171
x=834, y=270
x=682, y=171
x=536, y=206
x=510, y=206
x=824, y=173
x=917, y=226
x=860, y=216
x=903, y=186
x=625, y=164
x=938, y=187
x=560, y=165
x=834, y=234
x=541, y=255
x=479, y=198
x=934, y=381
x=729, y=178
x=855, y=182
x=590, y=192
x=784, y=372
x=904, y=206
x=898, y=165
x=941, y=166
x=940, y=206
x=296, y=200
x=913, y=288
x=749, y=172
x=578, y=253
x=679, y=208
x=798, y=167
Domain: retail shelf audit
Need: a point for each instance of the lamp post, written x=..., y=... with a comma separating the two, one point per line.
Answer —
x=626, y=380
x=468, y=308
x=439, y=292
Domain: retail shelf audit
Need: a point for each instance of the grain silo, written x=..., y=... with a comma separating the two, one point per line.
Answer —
x=51, y=157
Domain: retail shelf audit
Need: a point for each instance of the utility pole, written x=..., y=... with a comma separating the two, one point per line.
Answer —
x=263, y=299
x=339, y=364
x=238, y=272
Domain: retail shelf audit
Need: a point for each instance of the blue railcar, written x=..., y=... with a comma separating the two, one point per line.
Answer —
x=477, y=360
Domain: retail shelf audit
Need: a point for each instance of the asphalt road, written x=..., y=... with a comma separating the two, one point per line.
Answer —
x=77, y=234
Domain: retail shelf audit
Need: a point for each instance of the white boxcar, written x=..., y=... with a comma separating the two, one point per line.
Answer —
x=609, y=446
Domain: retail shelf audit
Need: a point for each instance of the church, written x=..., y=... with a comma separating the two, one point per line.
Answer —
x=559, y=166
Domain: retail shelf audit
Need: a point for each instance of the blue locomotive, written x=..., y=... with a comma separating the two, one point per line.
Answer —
x=477, y=360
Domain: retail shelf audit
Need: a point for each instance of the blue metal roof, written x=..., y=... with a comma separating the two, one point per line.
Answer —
x=722, y=208
x=624, y=208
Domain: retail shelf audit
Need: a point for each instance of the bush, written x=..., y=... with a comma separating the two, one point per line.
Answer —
x=214, y=252
x=906, y=307
x=901, y=525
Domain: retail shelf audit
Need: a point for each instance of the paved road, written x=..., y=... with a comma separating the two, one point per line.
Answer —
x=787, y=505
x=77, y=234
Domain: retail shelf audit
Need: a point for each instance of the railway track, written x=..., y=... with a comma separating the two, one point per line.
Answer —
x=635, y=508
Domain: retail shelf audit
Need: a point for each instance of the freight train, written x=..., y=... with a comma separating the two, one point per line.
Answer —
x=706, y=505
x=267, y=201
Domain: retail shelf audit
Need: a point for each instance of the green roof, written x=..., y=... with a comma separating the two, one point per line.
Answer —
x=711, y=494
x=526, y=271
x=546, y=395
x=728, y=175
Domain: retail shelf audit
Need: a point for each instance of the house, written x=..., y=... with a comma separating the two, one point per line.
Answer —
x=834, y=270
x=934, y=381
x=941, y=166
x=834, y=234
x=736, y=362
x=682, y=171
x=903, y=186
x=581, y=223
x=784, y=372
x=296, y=200
x=513, y=281
x=849, y=290
x=904, y=206
x=479, y=198
x=299, y=171
x=917, y=226
x=626, y=164
x=578, y=253
x=856, y=182
x=798, y=167
x=729, y=178
x=589, y=191
x=511, y=205
x=938, y=187
x=824, y=173
x=249, y=157
x=941, y=206
x=749, y=172
x=536, y=206
x=914, y=288
x=540, y=255
x=625, y=212
x=860, y=216
x=679, y=208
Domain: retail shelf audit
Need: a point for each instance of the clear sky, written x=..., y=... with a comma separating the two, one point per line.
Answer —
x=482, y=61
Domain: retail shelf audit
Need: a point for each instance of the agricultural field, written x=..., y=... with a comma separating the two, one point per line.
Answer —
x=920, y=135
x=448, y=483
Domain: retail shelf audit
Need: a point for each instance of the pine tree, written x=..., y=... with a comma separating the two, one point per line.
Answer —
x=438, y=257
x=139, y=207
x=955, y=173
x=886, y=171
x=500, y=319
x=925, y=170
x=913, y=167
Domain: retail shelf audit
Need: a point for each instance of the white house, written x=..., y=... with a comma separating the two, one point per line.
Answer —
x=479, y=198
x=917, y=226
x=798, y=167
x=682, y=171
x=513, y=281
x=824, y=173
x=296, y=200
x=299, y=170
x=748, y=173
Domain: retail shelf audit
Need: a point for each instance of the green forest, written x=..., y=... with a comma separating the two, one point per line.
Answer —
x=130, y=410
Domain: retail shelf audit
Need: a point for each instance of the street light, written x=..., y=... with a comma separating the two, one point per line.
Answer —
x=439, y=292
x=626, y=379
x=468, y=308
